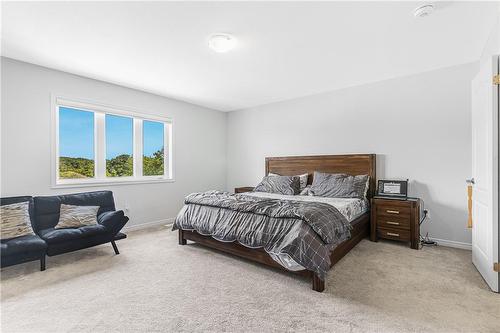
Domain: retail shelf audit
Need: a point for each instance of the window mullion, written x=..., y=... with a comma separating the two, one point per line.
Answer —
x=100, y=145
x=138, y=147
x=57, y=143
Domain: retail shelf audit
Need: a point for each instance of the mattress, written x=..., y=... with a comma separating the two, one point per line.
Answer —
x=351, y=208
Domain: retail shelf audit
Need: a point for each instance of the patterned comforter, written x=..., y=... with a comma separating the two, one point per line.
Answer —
x=305, y=231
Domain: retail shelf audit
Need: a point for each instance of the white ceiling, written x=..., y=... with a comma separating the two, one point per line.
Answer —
x=286, y=49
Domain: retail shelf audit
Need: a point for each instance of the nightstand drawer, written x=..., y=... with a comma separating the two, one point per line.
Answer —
x=396, y=234
x=394, y=211
x=391, y=222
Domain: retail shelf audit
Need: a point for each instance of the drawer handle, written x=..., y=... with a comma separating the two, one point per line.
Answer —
x=392, y=234
x=393, y=223
x=393, y=211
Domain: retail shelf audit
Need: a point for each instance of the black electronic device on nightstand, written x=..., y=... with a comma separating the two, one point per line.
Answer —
x=392, y=189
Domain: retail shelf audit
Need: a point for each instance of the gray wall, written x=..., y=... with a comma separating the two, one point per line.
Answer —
x=419, y=127
x=199, y=140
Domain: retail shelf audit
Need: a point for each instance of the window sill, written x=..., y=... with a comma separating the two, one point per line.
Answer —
x=99, y=183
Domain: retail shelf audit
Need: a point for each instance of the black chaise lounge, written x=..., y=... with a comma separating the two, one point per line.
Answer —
x=44, y=214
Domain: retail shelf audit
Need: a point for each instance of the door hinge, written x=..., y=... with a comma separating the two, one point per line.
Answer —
x=496, y=80
x=496, y=267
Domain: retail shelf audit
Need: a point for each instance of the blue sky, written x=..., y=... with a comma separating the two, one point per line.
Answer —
x=119, y=136
x=153, y=137
x=76, y=134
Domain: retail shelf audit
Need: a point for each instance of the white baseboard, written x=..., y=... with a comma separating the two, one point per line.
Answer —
x=133, y=227
x=449, y=243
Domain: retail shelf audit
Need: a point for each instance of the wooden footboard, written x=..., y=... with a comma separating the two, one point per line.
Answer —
x=360, y=230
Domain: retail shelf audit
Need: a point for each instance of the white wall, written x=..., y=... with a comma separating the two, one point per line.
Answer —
x=419, y=127
x=199, y=140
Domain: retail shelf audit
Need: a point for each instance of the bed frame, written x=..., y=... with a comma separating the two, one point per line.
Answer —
x=355, y=164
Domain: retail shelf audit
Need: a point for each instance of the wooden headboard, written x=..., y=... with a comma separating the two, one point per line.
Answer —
x=354, y=164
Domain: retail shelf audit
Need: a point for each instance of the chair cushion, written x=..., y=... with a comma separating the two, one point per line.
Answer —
x=53, y=236
x=23, y=244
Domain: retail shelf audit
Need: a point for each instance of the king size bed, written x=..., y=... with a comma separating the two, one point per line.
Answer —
x=305, y=233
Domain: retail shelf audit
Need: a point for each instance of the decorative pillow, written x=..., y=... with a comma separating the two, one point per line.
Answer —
x=77, y=216
x=367, y=185
x=339, y=185
x=288, y=185
x=306, y=191
x=302, y=178
x=15, y=220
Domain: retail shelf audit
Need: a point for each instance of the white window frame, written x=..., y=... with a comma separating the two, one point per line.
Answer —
x=100, y=110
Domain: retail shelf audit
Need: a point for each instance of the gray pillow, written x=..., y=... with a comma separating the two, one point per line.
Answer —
x=339, y=185
x=288, y=185
x=302, y=178
x=77, y=216
x=15, y=220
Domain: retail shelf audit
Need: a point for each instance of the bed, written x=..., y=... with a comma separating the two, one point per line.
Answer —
x=355, y=164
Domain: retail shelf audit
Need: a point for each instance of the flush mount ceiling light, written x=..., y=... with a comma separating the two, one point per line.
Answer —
x=221, y=42
x=424, y=10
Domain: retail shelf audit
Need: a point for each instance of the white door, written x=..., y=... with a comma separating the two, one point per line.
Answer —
x=485, y=171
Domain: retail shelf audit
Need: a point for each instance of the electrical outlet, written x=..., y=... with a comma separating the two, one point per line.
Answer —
x=428, y=213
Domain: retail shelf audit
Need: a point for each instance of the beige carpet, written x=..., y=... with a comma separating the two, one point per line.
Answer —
x=157, y=286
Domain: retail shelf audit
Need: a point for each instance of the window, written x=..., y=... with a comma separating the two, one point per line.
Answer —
x=153, y=160
x=100, y=144
x=119, y=146
x=76, y=144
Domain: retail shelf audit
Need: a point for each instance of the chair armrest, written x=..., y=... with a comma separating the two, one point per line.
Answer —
x=113, y=221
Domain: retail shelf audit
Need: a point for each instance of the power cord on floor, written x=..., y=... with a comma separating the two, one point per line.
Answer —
x=426, y=241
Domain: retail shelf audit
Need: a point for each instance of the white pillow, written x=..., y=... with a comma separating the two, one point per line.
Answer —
x=306, y=191
x=77, y=216
x=302, y=178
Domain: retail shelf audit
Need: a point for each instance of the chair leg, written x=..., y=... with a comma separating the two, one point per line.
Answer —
x=42, y=263
x=115, y=247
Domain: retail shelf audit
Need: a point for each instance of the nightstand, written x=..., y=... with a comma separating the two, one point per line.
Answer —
x=243, y=189
x=396, y=219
